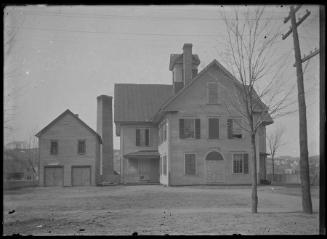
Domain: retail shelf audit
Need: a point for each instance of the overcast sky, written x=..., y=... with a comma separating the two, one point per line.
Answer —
x=64, y=57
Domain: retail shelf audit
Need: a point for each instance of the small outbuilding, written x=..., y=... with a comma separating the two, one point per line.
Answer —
x=69, y=152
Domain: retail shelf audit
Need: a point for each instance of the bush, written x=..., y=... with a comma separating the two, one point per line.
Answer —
x=265, y=182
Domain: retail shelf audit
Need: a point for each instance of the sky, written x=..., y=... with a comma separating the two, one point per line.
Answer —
x=63, y=57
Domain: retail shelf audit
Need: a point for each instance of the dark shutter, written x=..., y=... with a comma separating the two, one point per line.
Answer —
x=213, y=128
x=197, y=129
x=181, y=128
x=229, y=128
x=147, y=137
x=138, y=136
x=246, y=163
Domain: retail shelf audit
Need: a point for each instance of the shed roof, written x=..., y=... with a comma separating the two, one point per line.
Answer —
x=76, y=117
x=139, y=102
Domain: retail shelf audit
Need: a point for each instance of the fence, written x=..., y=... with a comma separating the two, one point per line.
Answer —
x=15, y=184
x=284, y=178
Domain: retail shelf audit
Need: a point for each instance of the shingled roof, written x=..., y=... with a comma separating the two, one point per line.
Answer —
x=139, y=102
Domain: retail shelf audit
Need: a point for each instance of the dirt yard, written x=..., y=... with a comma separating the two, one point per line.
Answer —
x=155, y=209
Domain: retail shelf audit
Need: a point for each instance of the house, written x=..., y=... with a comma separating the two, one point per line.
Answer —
x=69, y=152
x=183, y=133
x=20, y=164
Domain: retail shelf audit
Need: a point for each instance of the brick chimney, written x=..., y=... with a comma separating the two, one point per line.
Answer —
x=105, y=130
x=184, y=67
x=187, y=63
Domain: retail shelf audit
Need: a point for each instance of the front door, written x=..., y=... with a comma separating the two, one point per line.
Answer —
x=215, y=168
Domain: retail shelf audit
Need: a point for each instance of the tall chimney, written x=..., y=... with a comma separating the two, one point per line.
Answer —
x=105, y=130
x=187, y=63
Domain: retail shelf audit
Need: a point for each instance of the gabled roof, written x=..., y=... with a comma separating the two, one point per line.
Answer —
x=76, y=117
x=139, y=102
x=178, y=58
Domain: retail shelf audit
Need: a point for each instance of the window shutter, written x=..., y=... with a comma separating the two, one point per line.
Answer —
x=138, y=136
x=246, y=163
x=181, y=128
x=197, y=129
x=229, y=128
x=147, y=137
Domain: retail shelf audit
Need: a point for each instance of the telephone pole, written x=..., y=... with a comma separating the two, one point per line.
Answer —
x=304, y=161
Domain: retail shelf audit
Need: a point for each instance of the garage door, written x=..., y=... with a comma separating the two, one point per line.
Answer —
x=54, y=176
x=81, y=175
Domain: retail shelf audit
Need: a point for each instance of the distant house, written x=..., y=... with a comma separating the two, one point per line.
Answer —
x=20, y=164
x=16, y=145
x=182, y=134
x=69, y=153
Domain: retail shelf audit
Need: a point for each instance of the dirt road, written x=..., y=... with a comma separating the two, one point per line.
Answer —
x=155, y=209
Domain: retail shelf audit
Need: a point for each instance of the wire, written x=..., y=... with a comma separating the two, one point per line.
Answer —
x=128, y=17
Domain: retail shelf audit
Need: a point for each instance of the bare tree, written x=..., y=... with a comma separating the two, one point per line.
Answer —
x=274, y=141
x=250, y=41
x=13, y=21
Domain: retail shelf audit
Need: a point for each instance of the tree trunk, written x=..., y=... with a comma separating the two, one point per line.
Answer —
x=254, y=207
x=273, y=168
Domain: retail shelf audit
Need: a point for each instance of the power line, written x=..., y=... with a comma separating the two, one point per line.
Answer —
x=130, y=17
x=117, y=33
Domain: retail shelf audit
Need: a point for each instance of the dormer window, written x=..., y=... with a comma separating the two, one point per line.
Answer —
x=212, y=92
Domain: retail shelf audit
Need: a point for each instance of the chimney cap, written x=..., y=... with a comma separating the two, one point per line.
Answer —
x=104, y=96
x=187, y=45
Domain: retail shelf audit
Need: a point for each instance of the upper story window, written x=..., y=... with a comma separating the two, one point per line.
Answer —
x=143, y=137
x=162, y=132
x=189, y=128
x=54, y=147
x=241, y=163
x=190, y=165
x=81, y=147
x=212, y=91
x=234, y=129
x=213, y=128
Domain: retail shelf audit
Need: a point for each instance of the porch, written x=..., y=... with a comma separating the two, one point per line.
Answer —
x=142, y=167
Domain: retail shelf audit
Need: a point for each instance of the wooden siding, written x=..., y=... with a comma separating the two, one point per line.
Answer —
x=67, y=131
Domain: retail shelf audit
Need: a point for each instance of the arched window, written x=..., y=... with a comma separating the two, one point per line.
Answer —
x=214, y=156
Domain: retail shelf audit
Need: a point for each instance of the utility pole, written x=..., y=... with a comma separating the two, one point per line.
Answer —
x=304, y=161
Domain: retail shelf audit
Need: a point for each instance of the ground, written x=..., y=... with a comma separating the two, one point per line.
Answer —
x=155, y=209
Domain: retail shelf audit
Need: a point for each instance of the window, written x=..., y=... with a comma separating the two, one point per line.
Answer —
x=234, y=129
x=212, y=89
x=54, y=147
x=213, y=155
x=142, y=137
x=162, y=132
x=164, y=166
x=189, y=164
x=81, y=147
x=189, y=128
x=213, y=128
x=241, y=163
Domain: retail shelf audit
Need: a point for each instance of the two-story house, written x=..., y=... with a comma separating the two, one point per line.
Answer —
x=183, y=134
x=69, y=152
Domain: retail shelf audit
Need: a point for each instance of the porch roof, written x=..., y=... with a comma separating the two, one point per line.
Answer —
x=143, y=154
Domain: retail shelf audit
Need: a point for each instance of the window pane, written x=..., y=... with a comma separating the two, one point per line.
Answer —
x=213, y=93
x=190, y=164
x=213, y=128
x=189, y=128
